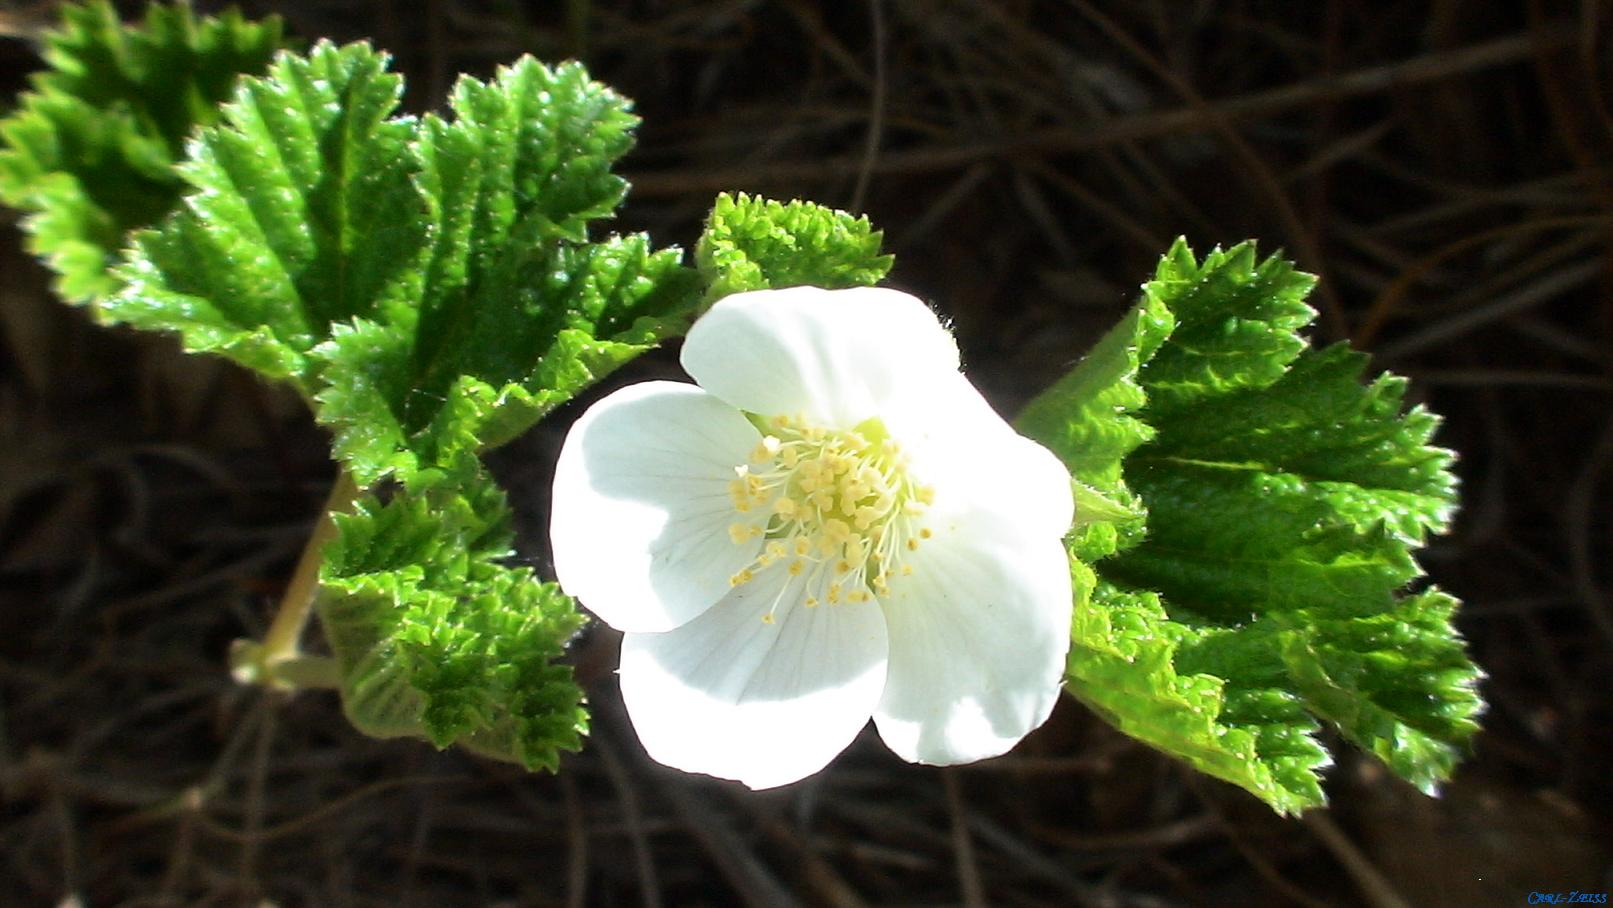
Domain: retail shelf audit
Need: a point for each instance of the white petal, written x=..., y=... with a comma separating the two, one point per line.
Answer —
x=763, y=703
x=974, y=460
x=639, y=523
x=831, y=356
x=979, y=633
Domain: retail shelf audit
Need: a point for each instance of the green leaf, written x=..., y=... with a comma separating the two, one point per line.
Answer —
x=1088, y=419
x=1237, y=320
x=89, y=155
x=1124, y=664
x=430, y=284
x=752, y=243
x=1284, y=499
x=390, y=419
x=301, y=215
x=437, y=638
x=517, y=312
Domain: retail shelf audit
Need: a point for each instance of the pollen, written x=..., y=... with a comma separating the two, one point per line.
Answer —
x=837, y=507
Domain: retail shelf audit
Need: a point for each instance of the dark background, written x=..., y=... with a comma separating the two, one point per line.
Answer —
x=1443, y=166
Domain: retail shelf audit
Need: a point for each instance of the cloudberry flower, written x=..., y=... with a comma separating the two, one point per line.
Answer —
x=834, y=525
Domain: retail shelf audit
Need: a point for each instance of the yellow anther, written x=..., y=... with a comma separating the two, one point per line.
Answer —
x=839, y=498
x=856, y=549
x=767, y=618
x=811, y=602
x=760, y=454
x=907, y=570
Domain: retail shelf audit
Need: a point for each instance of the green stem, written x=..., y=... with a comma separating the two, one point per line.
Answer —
x=256, y=662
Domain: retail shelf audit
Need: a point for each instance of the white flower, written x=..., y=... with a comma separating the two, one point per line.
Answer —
x=834, y=525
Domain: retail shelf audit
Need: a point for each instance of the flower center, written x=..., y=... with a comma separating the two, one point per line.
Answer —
x=833, y=502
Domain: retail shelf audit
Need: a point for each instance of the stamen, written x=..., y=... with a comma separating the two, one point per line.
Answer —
x=838, y=502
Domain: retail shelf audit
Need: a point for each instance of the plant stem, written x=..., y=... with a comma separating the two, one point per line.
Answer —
x=255, y=662
x=285, y=632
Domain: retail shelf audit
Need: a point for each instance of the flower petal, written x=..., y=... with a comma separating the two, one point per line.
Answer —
x=736, y=697
x=979, y=634
x=639, y=523
x=974, y=460
x=831, y=356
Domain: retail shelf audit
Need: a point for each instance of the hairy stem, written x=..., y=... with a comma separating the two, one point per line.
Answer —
x=259, y=662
